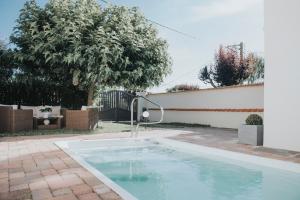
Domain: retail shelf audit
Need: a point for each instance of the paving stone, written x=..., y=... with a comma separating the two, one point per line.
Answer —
x=4, y=187
x=4, y=166
x=31, y=168
x=35, y=178
x=3, y=180
x=92, y=181
x=3, y=175
x=77, y=170
x=84, y=174
x=41, y=194
x=18, y=181
x=35, y=173
x=89, y=196
x=61, y=192
x=14, y=165
x=81, y=189
x=16, y=175
x=44, y=166
x=41, y=184
x=101, y=189
x=59, y=165
x=110, y=196
x=65, y=197
x=48, y=172
x=71, y=179
x=16, y=195
x=18, y=187
x=55, y=182
x=2, y=170
x=14, y=170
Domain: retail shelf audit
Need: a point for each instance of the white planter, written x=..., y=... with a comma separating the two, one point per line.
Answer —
x=251, y=134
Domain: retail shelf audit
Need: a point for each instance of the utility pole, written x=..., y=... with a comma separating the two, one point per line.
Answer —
x=242, y=51
x=240, y=46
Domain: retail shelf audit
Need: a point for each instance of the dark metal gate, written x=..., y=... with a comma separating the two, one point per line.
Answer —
x=115, y=106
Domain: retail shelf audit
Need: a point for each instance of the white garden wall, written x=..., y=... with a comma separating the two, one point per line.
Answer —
x=224, y=107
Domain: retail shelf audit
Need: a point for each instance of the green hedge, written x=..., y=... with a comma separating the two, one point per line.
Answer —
x=41, y=93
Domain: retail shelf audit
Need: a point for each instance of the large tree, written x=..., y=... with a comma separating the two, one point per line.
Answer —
x=228, y=69
x=77, y=42
x=6, y=64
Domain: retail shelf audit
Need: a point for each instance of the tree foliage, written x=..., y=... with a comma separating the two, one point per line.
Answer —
x=257, y=69
x=227, y=69
x=78, y=42
x=6, y=61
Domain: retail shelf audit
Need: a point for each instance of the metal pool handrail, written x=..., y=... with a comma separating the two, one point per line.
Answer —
x=141, y=123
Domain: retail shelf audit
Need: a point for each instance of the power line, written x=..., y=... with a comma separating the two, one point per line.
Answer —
x=166, y=27
x=172, y=29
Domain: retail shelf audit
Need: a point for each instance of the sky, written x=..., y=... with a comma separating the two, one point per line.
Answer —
x=211, y=22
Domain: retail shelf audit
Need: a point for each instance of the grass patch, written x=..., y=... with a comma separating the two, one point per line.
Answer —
x=44, y=132
x=107, y=127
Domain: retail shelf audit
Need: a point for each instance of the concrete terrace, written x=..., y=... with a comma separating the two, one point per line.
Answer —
x=33, y=167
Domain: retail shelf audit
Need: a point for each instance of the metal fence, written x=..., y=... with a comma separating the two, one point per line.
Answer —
x=115, y=105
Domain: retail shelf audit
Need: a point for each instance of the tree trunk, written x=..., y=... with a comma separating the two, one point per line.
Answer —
x=91, y=95
x=212, y=83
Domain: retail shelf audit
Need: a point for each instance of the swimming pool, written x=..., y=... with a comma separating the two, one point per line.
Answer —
x=162, y=169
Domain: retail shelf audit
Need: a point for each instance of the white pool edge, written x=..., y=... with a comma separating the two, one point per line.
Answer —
x=257, y=160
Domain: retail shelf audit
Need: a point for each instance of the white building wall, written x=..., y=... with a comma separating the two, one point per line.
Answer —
x=237, y=98
x=282, y=74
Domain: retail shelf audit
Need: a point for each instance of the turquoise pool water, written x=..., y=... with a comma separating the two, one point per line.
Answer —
x=155, y=172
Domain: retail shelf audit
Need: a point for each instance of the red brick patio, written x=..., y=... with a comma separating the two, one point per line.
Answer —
x=39, y=171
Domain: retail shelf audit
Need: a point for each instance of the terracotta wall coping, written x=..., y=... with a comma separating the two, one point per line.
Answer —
x=208, y=89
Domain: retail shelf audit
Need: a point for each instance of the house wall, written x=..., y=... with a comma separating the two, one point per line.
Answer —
x=225, y=107
x=282, y=74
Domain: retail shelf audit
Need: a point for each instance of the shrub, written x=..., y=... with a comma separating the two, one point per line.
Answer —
x=254, y=119
x=183, y=87
x=47, y=109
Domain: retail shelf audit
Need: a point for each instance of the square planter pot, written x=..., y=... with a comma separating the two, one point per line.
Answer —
x=251, y=134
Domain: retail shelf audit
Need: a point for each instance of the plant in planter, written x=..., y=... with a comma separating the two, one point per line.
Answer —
x=46, y=111
x=252, y=131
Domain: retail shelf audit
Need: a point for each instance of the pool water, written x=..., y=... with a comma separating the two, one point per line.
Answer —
x=155, y=172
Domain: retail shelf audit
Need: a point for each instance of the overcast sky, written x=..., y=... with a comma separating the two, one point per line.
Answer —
x=212, y=22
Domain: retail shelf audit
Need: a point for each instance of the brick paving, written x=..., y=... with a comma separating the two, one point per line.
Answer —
x=42, y=171
x=34, y=168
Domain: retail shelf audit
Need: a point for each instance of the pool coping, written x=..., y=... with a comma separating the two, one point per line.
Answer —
x=233, y=156
x=185, y=147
